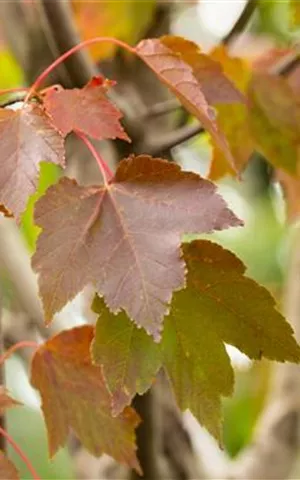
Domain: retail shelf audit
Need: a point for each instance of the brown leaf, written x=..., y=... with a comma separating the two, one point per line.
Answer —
x=180, y=65
x=86, y=109
x=6, y=401
x=27, y=137
x=7, y=469
x=124, y=238
x=74, y=396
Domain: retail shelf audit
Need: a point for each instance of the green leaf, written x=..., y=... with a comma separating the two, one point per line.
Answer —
x=209, y=312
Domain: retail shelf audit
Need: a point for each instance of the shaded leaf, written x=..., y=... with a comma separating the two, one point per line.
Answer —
x=274, y=117
x=208, y=312
x=74, y=396
x=190, y=75
x=124, y=237
x=27, y=137
x=86, y=109
x=6, y=401
x=7, y=469
x=232, y=119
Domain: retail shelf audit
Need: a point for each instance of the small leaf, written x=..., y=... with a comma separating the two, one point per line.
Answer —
x=6, y=401
x=124, y=238
x=27, y=137
x=275, y=120
x=7, y=469
x=86, y=109
x=74, y=396
x=219, y=305
x=191, y=76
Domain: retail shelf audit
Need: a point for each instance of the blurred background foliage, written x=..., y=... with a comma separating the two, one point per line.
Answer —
x=262, y=244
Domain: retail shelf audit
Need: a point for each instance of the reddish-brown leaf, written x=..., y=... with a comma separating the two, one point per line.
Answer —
x=124, y=237
x=74, y=396
x=27, y=137
x=7, y=469
x=87, y=110
x=6, y=401
x=194, y=78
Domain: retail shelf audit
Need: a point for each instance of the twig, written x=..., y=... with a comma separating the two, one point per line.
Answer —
x=162, y=108
x=163, y=144
x=242, y=21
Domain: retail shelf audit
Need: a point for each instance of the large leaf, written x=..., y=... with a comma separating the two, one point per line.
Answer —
x=74, y=396
x=232, y=119
x=27, y=137
x=275, y=120
x=7, y=469
x=194, y=78
x=124, y=237
x=86, y=109
x=218, y=305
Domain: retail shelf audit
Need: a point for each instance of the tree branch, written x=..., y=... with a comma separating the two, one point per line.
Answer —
x=242, y=21
x=62, y=35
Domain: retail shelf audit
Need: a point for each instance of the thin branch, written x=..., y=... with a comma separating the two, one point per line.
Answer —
x=162, y=108
x=242, y=21
x=163, y=144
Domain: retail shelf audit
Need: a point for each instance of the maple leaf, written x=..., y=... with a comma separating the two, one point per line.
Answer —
x=194, y=78
x=6, y=401
x=124, y=237
x=86, y=109
x=74, y=396
x=232, y=119
x=27, y=137
x=208, y=312
x=274, y=118
x=8, y=470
